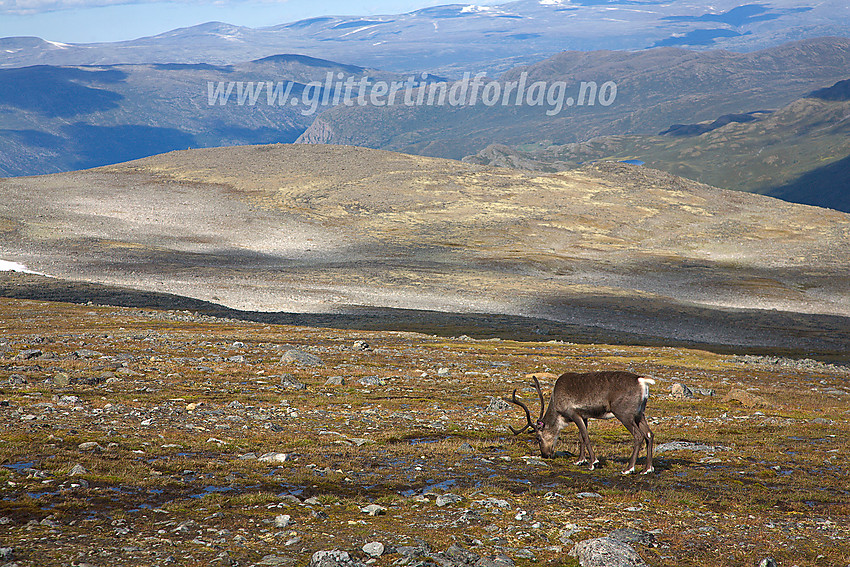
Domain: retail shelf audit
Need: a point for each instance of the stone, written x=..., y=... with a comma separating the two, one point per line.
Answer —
x=496, y=405
x=632, y=535
x=17, y=380
x=90, y=446
x=374, y=549
x=494, y=503
x=495, y=561
x=462, y=555
x=447, y=499
x=273, y=561
x=767, y=562
x=374, y=510
x=78, y=470
x=411, y=551
x=681, y=391
x=289, y=382
x=588, y=495
x=334, y=558
x=300, y=358
x=606, y=552
x=371, y=381
x=185, y=527
x=708, y=392
x=87, y=353
x=361, y=345
x=335, y=381
x=61, y=379
x=688, y=446
x=29, y=354
x=273, y=457
x=282, y=520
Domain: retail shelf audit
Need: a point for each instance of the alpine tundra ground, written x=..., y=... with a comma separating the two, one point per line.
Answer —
x=137, y=436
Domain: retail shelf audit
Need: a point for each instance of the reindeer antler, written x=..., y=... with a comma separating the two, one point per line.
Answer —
x=542, y=403
x=514, y=400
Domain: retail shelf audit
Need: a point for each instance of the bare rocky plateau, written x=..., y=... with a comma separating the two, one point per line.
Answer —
x=298, y=356
x=359, y=238
x=161, y=437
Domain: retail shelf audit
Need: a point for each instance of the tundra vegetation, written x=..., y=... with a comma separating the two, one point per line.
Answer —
x=133, y=436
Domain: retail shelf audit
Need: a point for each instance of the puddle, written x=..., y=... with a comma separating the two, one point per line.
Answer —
x=423, y=440
x=37, y=495
x=21, y=467
x=811, y=440
x=442, y=486
x=212, y=490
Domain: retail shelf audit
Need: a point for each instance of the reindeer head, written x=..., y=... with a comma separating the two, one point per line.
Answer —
x=546, y=434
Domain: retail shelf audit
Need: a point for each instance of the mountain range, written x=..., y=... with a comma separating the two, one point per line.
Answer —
x=800, y=153
x=64, y=118
x=448, y=40
x=655, y=88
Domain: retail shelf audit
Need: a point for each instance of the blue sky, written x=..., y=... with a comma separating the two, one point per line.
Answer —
x=82, y=21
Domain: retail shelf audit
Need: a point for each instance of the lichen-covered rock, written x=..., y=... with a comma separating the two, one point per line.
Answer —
x=606, y=552
x=334, y=558
x=300, y=358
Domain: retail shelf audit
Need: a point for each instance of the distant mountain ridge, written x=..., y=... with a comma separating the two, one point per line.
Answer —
x=655, y=88
x=453, y=38
x=63, y=118
x=799, y=153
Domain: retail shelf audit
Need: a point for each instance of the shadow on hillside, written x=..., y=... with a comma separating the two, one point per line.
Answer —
x=782, y=326
x=822, y=187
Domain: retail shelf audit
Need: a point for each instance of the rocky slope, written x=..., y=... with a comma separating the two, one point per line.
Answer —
x=330, y=229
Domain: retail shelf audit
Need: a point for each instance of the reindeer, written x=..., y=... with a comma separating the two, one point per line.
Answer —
x=600, y=395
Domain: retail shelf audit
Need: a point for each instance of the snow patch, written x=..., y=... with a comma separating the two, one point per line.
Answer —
x=6, y=266
x=473, y=9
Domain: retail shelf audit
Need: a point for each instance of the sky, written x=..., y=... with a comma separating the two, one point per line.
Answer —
x=88, y=21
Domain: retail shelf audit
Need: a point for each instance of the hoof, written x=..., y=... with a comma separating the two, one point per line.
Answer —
x=581, y=462
x=628, y=471
x=649, y=470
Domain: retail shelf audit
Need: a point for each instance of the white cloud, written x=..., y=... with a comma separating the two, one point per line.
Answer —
x=26, y=7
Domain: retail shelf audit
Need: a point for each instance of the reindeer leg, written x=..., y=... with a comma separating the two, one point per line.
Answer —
x=634, y=429
x=643, y=426
x=582, y=460
x=581, y=423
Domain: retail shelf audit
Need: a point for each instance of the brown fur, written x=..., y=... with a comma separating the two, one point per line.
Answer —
x=577, y=397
